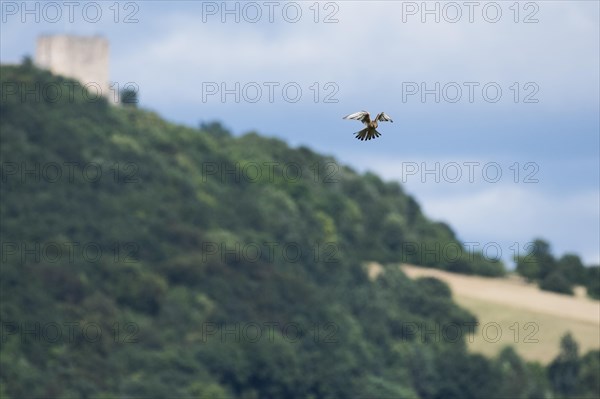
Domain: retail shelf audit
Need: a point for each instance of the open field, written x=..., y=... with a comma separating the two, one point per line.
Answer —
x=530, y=319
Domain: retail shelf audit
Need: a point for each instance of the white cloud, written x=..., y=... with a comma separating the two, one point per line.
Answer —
x=371, y=50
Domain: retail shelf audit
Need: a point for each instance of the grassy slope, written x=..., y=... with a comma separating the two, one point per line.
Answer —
x=508, y=301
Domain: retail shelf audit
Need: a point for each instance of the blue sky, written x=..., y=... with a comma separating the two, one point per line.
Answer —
x=370, y=56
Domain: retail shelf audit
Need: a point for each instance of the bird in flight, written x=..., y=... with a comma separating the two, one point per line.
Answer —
x=369, y=132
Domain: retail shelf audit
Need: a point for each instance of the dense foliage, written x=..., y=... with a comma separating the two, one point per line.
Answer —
x=132, y=267
x=557, y=274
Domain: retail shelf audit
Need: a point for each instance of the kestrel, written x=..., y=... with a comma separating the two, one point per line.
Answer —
x=370, y=131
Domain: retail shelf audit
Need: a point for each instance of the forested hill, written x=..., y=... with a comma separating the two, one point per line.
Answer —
x=161, y=237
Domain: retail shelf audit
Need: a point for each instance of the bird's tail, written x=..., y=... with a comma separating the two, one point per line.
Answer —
x=367, y=134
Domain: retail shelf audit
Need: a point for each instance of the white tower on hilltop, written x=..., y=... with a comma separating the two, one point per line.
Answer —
x=85, y=58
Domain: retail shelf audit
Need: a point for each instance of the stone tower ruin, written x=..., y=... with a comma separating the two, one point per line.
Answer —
x=85, y=58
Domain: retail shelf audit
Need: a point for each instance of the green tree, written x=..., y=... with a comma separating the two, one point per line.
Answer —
x=589, y=380
x=557, y=282
x=129, y=97
x=527, y=267
x=563, y=372
x=27, y=62
x=543, y=256
x=592, y=283
x=571, y=267
x=394, y=227
x=520, y=379
x=538, y=263
x=215, y=129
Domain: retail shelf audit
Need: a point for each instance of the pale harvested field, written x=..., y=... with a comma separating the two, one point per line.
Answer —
x=507, y=301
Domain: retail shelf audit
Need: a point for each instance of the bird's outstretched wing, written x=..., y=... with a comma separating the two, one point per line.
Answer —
x=383, y=117
x=362, y=116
